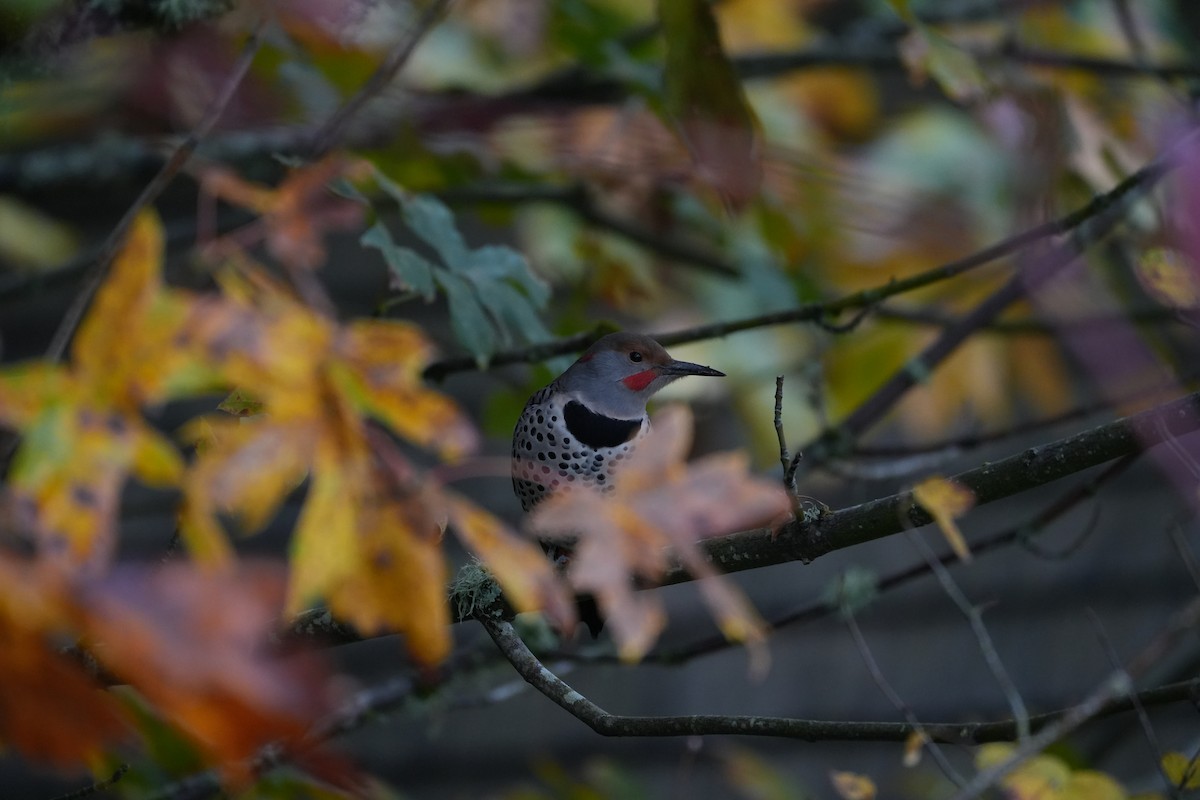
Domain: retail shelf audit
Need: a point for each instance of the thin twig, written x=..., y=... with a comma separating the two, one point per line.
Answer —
x=329, y=134
x=1114, y=687
x=785, y=457
x=1185, y=553
x=875, y=519
x=95, y=275
x=1114, y=660
x=932, y=747
x=1133, y=186
x=986, y=646
x=821, y=609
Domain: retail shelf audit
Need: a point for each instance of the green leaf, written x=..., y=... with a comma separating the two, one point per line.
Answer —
x=432, y=222
x=408, y=269
x=494, y=296
x=467, y=317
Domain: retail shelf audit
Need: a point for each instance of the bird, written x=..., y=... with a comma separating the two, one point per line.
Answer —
x=576, y=431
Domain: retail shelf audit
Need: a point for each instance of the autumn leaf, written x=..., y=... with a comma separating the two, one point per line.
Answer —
x=1182, y=771
x=191, y=642
x=82, y=431
x=852, y=786
x=657, y=502
x=50, y=709
x=521, y=568
x=366, y=543
x=296, y=214
x=945, y=500
x=1170, y=277
x=914, y=746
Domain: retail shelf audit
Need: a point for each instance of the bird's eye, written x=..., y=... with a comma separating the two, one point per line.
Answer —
x=635, y=356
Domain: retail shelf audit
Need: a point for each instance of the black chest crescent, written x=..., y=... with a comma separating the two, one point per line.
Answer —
x=596, y=430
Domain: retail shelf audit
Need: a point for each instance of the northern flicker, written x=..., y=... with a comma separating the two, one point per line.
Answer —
x=577, y=430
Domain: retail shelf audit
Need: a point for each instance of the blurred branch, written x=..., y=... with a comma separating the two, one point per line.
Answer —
x=974, y=617
x=770, y=65
x=1156, y=750
x=330, y=133
x=571, y=88
x=930, y=745
x=95, y=274
x=1032, y=327
x=98, y=787
x=577, y=199
x=1039, y=269
x=1106, y=207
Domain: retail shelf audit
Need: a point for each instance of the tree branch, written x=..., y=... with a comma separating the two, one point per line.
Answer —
x=95, y=275
x=1100, y=206
x=606, y=724
x=885, y=516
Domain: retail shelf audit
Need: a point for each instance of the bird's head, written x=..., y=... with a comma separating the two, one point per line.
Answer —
x=621, y=371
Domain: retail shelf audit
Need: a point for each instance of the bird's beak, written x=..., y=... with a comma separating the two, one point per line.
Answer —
x=681, y=368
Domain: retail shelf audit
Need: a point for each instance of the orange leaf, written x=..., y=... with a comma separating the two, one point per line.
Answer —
x=299, y=211
x=659, y=501
x=191, y=643
x=521, y=568
x=49, y=708
x=944, y=500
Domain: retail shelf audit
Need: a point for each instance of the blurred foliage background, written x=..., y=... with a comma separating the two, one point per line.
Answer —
x=662, y=167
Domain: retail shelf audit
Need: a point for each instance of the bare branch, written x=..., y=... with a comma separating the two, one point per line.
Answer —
x=329, y=134
x=928, y=743
x=1107, y=207
x=885, y=516
x=1115, y=687
x=95, y=275
x=992, y=658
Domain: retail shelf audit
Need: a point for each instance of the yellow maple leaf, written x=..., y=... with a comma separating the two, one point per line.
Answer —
x=944, y=500
x=658, y=501
x=367, y=541
x=82, y=431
